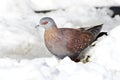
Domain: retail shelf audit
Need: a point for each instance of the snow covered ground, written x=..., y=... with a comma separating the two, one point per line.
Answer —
x=23, y=55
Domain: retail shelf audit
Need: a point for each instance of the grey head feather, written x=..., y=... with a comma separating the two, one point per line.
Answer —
x=50, y=23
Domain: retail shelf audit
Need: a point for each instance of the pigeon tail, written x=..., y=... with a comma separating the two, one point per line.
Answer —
x=95, y=30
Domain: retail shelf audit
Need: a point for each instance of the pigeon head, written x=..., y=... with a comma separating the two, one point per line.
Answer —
x=47, y=22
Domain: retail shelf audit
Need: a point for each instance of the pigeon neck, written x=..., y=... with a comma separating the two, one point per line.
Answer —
x=52, y=29
x=52, y=34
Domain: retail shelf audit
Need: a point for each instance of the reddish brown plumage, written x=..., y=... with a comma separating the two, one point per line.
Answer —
x=79, y=42
x=72, y=41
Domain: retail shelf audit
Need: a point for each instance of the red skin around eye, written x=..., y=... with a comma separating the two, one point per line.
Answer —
x=45, y=22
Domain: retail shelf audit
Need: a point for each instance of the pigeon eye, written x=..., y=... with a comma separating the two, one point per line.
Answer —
x=44, y=22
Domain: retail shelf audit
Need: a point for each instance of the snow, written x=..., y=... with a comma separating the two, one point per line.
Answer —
x=23, y=55
x=18, y=35
x=61, y=4
x=109, y=47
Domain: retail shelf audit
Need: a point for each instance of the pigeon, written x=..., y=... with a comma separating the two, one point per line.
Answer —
x=70, y=42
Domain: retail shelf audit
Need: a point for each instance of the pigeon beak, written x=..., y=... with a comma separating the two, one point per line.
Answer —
x=37, y=26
